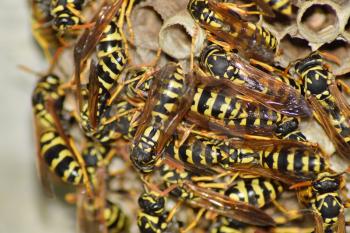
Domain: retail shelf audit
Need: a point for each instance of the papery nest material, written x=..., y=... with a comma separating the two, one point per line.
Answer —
x=147, y=18
x=175, y=36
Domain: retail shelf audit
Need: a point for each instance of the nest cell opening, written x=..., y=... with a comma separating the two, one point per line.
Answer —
x=319, y=21
x=341, y=50
x=178, y=39
x=147, y=23
x=293, y=48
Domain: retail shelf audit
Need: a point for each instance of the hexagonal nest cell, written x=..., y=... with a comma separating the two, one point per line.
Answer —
x=319, y=23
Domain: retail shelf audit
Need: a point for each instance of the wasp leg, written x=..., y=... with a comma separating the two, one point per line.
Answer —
x=120, y=26
x=76, y=12
x=173, y=211
x=83, y=168
x=115, y=94
x=331, y=57
x=193, y=41
x=128, y=21
x=156, y=59
x=291, y=230
x=345, y=87
x=240, y=8
x=71, y=198
x=116, y=117
x=185, y=135
x=44, y=45
x=262, y=65
x=215, y=40
x=290, y=214
x=203, y=180
x=194, y=222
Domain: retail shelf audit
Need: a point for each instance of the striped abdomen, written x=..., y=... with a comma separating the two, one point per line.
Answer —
x=216, y=105
x=47, y=87
x=111, y=58
x=281, y=6
x=293, y=160
x=59, y=158
x=66, y=13
x=115, y=218
x=202, y=14
x=197, y=152
x=257, y=191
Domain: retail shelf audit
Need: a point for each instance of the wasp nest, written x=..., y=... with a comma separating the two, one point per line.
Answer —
x=315, y=25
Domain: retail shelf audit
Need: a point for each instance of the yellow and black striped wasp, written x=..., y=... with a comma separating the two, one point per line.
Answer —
x=251, y=40
x=256, y=84
x=322, y=197
x=329, y=105
x=235, y=112
x=290, y=159
x=54, y=145
x=200, y=195
x=168, y=101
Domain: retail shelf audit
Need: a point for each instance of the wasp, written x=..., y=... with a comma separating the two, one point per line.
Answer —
x=90, y=38
x=54, y=145
x=200, y=151
x=283, y=7
x=322, y=197
x=252, y=82
x=293, y=160
x=167, y=103
x=207, y=199
x=250, y=40
x=329, y=105
x=236, y=112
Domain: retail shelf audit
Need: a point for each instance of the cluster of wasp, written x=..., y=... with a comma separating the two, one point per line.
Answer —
x=209, y=148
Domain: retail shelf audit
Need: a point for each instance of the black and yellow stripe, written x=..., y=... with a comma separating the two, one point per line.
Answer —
x=172, y=176
x=166, y=105
x=316, y=83
x=111, y=58
x=152, y=215
x=282, y=6
x=203, y=152
x=197, y=152
x=227, y=225
x=257, y=191
x=116, y=220
x=46, y=37
x=59, y=157
x=298, y=161
x=247, y=34
x=47, y=87
x=235, y=111
x=324, y=200
x=65, y=14
x=202, y=13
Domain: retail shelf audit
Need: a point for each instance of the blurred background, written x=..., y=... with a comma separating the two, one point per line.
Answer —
x=23, y=206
